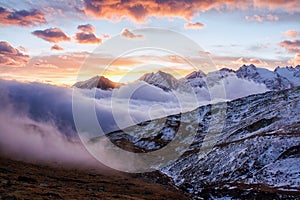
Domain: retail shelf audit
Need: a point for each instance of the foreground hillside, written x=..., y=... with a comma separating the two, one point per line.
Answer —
x=251, y=151
x=19, y=180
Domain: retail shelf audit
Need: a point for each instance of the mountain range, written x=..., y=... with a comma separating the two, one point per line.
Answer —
x=280, y=78
x=246, y=148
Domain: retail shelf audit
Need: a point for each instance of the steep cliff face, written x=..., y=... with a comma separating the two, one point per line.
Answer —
x=257, y=149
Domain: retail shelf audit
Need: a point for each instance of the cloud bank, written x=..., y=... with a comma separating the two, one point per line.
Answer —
x=140, y=11
x=36, y=120
x=21, y=17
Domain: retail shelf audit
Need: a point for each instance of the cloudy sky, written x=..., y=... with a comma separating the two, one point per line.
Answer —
x=48, y=41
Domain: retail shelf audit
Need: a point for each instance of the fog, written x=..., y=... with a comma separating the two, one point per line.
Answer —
x=36, y=120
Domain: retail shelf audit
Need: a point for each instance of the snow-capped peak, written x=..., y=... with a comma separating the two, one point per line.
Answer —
x=280, y=78
x=290, y=73
x=98, y=82
x=160, y=79
x=196, y=74
x=271, y=79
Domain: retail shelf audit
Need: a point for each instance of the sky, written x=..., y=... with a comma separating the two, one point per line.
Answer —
x=52, y=41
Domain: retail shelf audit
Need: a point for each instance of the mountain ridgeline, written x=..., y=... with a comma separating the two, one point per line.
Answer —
x=280, y=78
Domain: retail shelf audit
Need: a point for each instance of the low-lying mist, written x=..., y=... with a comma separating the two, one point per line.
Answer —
x=36, y=120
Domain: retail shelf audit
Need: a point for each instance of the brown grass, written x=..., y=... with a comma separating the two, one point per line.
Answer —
x=19, y=180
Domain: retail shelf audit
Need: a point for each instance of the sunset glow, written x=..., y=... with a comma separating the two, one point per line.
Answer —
x=49, y=41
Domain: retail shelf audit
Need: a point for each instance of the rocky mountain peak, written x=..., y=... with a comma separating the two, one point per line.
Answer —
x=100, y=82
x=196, y=74
x=160, y=79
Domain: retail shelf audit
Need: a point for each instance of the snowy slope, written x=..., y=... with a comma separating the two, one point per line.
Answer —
x=271, y=79
x=258, y=149
x=290, y=73
x=160, y=79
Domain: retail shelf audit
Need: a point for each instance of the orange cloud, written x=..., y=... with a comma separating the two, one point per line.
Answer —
x=63, y=68
x=128, y=34
x=106, y=36
x=246, y=61
x=296, y=60
x=196, y=25
x=87, y=38
x=292, y=33
x=259, y=18
x=288, y=5
x=11, y=56
x=86, y=35
x=57, y=47
x=271, y=17
x=139, y=11
x=87, y=28
x=23, y=49
x=53, y=35
x=291, y=46
x=21, y=17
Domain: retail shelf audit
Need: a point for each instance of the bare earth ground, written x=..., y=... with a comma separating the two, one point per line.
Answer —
x=19, y=180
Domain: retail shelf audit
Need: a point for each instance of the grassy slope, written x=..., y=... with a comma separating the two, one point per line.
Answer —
x=20, y=180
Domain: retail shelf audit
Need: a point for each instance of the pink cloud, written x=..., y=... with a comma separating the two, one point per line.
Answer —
x=292, y=33
x=140, y=11
x=56, y=47
x=248, y=61
x=288, y=5
x=21, y=48
x=129, y=34
x=21, y=17
x=291, y=46
x=106, y=36
x=296, y=60
x=11, y=56
x=87, y=28
x=87, y=38
x=261, y=18
x=196, y=25
x=53, y=35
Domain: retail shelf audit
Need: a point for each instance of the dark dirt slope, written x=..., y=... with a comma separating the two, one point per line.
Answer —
x=19, y=180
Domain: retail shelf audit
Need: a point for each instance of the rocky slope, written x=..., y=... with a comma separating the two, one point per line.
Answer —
x=256, y=154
